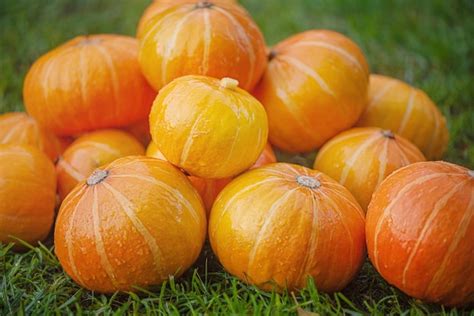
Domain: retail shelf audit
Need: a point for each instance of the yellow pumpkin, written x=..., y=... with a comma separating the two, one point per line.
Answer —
x=208, y=127
x=407, y=111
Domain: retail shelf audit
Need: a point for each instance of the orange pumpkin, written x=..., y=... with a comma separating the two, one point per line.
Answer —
x=420, y=232
x=210, y=128
x=277, y=225
x=91, y=151
x=141, y=131
x=21, y=129
x=361, y=158
x=266, y=157
x=407, y=111
x=27, y=194
x=315, y=86
x=159, y=6
x=134, y=222
x=88, y=83
x=211, y=38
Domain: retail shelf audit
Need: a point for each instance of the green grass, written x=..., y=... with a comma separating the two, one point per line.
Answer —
x=426, y=43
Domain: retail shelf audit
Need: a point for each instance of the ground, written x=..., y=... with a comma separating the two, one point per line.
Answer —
x=426, y=43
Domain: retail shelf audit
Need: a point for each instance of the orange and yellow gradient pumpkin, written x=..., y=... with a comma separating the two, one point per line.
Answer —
x=407, y=111
x=134, y=222
x=210, y=128
x=21, y=129
x=216, y=39
x=420, y=232
x=91, y=151
x=88, y=83
x=315, y=86
x=361, y=158
x=278, y=225
x=27, y=194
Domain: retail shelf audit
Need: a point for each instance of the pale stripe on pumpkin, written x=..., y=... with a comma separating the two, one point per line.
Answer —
x=102, y=146
x=190, y=139
x=7, y=137
x=339, y=139
x=408, y=110
x=113, y=74
x=381, y=93
x=70, y=170
x=207, y=41
x=383, y=161
x=313, y=241
x=335, y=190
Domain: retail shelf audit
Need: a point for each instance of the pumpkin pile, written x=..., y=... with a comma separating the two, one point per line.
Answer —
x=199, y=89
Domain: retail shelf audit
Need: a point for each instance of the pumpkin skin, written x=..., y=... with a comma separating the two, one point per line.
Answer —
x=91, y=151
x=407, y=111
x=420, y=230
x=21, y=129
x=27, y=194
x=315, y=86
x=215, y=132
x=159, y=6
x=215, y=39
x=361, y=158
x=266, y=157
x=88, y=83
x=274, y=227
x=134, y=222
x=140, y=131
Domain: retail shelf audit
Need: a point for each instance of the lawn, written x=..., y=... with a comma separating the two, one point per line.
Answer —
x=426, y=43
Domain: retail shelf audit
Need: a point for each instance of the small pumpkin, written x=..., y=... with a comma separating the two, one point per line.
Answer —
x=134, y=222
x=27, y=194
x=211, y=128
x=21, y=129
x=361, y=158
x=88, y=83
x=315, y=86
x=420, y=232
x=159, y=6
x=278, y=225
x=91, y=151
x=211, y=38
x=407, y=111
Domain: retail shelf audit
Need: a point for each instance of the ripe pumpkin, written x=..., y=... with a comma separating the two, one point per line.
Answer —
x=408, y=112
x=208, y=127
x=21, y=129
x=27, y=194
x=159, y=6
x=91, y=151
x=361, y=158
x=315, y=86
x=211, y=38
x=420, y=232
x=88, y=83
x=141, y=131
x=277, y=225
x=134, y=222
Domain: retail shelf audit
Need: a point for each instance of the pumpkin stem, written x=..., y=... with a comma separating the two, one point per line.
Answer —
x=272, y=54
x=388, y=133
x=204, y=5
x=229, y=83
x=97, y=176
x=471, y=173
x=308, y=182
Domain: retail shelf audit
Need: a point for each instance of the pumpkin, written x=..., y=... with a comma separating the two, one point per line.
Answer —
x=278, y=225
x=27, y=194
x=408, y=112
x=141, y=131
x=361, y=158
x=266, y=157
x=420, y=232
x=315, y=87
x=91, y=151
x=211, y=128
x=88, y=83
x=134, y=222
x=211, y=38
x=21, y=129
x=159, y=6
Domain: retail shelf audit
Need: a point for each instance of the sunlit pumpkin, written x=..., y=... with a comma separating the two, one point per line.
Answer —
x=159, y=6
x=134, y=222
x=141, y=131
x=91, y=151
x=315, y=86
x=408, y=112
x=280, y=224
x=90, y=82
x=27, y=194
x=420, y=232
x=215, y=39
x=21, y=129
x=211, y=128
x=361, y=158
